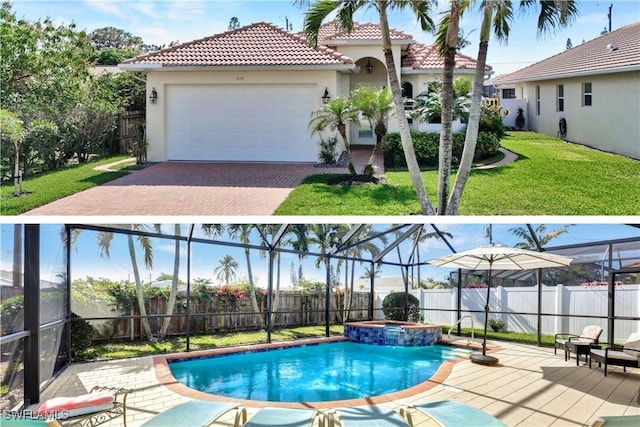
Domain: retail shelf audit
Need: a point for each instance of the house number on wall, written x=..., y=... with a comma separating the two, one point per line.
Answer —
x=239, y=77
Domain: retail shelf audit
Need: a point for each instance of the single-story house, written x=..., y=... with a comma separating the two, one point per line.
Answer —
x=248, y=94
x=589, y=94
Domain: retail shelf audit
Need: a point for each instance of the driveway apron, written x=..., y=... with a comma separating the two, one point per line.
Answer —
x=177, y=188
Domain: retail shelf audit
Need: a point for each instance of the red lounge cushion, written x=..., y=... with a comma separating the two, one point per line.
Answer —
x=74, y=406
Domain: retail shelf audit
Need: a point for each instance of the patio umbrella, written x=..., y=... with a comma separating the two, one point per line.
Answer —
x=498, y=257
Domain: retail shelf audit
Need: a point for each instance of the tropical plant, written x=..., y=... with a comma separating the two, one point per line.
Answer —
x=242, y=233
x=428, y=106
x=496, y=15
x=541, y=235
x=82, y=334
x=328, y=150
x=376, y=105
x=226, y=270
x=344, y=12
x=334, y=115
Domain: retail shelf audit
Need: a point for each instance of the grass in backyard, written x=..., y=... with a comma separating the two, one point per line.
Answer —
x=45, y=188
x=520, y=337
x=121, y=350
x=550, y=177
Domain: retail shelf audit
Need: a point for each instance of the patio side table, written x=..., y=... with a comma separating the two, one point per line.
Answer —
x=580, y=348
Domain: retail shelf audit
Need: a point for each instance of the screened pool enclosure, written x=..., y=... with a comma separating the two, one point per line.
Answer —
x=154, y=282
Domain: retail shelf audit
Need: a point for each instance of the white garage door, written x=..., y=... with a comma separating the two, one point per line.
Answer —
x=250, y=123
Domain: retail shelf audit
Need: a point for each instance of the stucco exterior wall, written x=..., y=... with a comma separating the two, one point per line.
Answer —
x=610, y=124
x=156, y=113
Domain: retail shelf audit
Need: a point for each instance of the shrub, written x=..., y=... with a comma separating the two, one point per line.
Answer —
x=327, y=152
x=426, y=145
x=393, y=307
x=81, y=336
x=491, y=120
x=496, y=324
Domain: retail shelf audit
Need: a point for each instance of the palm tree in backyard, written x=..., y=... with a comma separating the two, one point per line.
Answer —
x=542, y=235
x=376, y=105
x=334, y=115
x=497, y=14
x=319, y=10
x=226, y=270
x=105, y=239
x=173, y=293
x=357, y=251
x=242, y=233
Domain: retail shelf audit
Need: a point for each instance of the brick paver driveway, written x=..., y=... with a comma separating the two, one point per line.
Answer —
x=189, y=189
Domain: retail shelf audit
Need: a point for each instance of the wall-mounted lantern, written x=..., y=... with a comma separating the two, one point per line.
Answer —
x=369, y=66
x=154, y=95
x=325, y=96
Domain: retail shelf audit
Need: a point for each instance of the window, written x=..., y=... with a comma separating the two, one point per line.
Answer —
x=560, y=98
x=509, y=93
x=586, y=95
x=537, y=100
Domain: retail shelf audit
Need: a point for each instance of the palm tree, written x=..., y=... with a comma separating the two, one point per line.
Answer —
x=318, y=12
x=448, y=40
x=376, y=104
x=104, y=244
x=174, y=286
x=334, y=115
x=541, y=233
x=242, y=233
x=226, y=270
x=497, y=14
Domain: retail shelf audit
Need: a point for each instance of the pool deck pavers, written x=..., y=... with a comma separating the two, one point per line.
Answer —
x=529, y=387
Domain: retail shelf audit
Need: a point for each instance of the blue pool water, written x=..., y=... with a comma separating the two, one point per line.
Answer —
x=315, y=373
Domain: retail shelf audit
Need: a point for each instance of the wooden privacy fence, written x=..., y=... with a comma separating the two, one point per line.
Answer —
x=221, y=314
x=131, y=129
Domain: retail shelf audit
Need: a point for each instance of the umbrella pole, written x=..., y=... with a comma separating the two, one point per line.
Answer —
x=483, y=359
x=486, y=315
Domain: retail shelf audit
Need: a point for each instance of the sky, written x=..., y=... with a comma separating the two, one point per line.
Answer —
x=87, y=260
x=163, y=21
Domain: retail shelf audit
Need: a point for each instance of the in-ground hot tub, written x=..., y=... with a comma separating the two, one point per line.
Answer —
x=392, y=332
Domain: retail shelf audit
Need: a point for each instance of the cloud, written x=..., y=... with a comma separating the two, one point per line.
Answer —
x=109, y=8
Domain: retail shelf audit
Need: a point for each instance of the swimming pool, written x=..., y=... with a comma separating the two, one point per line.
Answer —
x=314, y=373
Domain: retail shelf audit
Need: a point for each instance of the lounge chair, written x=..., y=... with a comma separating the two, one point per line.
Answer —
x=284, y=417
x=627, y=355
x=10, y=422
x=366, y=416
x=100, y=405
x=589, y=335
x=197, y=413
x=617, y=421
x=452, y=413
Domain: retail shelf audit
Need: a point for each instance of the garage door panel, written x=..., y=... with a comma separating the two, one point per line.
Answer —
x=240, y=122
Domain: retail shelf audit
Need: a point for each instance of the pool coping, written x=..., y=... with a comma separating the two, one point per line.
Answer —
x=164, y=376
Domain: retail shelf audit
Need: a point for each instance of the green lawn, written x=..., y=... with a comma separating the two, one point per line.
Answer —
x=199, y=342
x=550, y=177
x=42, y=189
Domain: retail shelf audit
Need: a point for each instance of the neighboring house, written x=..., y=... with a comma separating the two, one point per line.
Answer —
x=588, y=95
x=248, y=94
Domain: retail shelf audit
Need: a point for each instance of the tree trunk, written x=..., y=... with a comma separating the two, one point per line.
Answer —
x=403, y=124
x=174, y=288
x=139, y=294
x=471, y=138
x=380, y=131
x=252, y=290
x=17, y=281
x=342, y=130
x=446, y=114
x=17, y=186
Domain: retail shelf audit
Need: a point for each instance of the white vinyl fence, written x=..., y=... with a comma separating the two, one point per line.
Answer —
x=560, y=300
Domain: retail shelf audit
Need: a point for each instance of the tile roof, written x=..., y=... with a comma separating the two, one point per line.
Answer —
x=260, y=44
x=614, y=51
x=425, y=57
x=368, y=31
